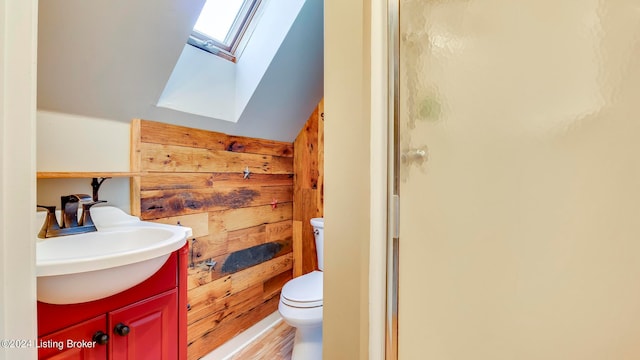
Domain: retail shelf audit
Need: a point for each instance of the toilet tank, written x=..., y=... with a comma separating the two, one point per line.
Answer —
x=318, y=233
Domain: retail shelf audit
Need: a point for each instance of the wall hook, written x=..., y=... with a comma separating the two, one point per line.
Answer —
x=246, y=173
x=211, y=264
x=95, y=185
x=274, y=204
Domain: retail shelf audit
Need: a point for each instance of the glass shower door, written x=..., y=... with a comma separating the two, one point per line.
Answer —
x=518, y=174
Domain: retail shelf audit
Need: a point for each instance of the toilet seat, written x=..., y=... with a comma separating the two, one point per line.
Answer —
x=304, y=291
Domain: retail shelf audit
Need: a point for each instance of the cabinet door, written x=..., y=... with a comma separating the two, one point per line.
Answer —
x=75, y=342
x=146, y=330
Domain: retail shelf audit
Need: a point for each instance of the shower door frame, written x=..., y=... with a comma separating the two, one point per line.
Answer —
x=384, y=145
x=393, y=188
x=384, y=241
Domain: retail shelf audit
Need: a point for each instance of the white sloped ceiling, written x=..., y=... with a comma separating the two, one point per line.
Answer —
x=111, y=59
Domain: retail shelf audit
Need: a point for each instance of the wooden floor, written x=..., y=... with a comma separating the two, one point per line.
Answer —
x=275, y=344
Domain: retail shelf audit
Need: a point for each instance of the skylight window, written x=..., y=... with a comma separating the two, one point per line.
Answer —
x=221, y=26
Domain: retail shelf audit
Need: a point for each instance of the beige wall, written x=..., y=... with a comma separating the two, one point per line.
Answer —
x=69, y=142
x=347, y=176
x=17, y=174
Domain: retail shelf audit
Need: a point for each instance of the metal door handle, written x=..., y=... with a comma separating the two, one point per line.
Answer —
x=415, y=156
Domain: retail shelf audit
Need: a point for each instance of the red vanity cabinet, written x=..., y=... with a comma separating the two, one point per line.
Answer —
x=55, y=345
x=145, y=330
x=148, y=321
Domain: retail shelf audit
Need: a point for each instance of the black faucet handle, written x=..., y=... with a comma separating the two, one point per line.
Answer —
x=77, y=198
x=50, y=208
x=50, y=222
x=84, y=197
x=87, y=205
x=86, y=220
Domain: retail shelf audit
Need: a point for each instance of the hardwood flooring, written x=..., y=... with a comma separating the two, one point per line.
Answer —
x=275, y=344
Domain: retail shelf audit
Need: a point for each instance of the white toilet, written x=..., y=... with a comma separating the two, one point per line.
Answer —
x=301, y=304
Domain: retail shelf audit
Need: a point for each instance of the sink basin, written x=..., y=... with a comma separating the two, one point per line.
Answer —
x=121, y=254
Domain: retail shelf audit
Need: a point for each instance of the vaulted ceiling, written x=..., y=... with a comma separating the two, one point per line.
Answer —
x=111, y=59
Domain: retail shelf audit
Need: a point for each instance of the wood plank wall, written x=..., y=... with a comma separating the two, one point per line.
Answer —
x=308, y=193
x=243, y=226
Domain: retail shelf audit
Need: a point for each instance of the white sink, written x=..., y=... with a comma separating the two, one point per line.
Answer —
x=121, y=254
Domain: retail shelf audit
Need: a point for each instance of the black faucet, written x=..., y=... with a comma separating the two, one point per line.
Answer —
x=69, y=212
x=69, y=209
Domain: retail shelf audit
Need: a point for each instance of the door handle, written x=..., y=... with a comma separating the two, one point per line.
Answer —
x=416, y=156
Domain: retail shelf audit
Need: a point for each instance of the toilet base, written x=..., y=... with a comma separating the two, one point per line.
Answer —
x=307, y=344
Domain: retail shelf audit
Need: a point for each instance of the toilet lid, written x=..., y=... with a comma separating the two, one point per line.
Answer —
x=304, y=291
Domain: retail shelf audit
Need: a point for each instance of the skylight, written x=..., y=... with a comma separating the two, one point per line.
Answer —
x=221, y=26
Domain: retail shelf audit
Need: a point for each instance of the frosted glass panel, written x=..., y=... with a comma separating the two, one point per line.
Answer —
x=520, y=236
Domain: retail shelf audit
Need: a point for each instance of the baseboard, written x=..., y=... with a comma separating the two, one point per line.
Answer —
x=240, y=341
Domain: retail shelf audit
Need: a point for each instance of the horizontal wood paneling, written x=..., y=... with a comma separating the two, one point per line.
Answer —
x=197, y=222
x=158, y=133
x=242, y=218
x=205, y=299
x=202, y=274
x=171, y=158
x=241, y=250
x=165, y=203
x=173, y=181
x=230, y=326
